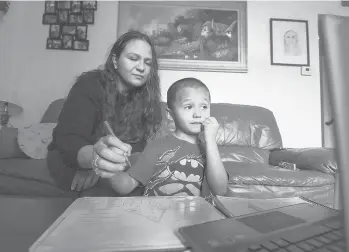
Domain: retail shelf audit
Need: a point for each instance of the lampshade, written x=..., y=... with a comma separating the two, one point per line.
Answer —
x=8, y=109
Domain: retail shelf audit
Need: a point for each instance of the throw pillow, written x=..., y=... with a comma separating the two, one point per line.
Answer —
x=34, y=139
x=317, y=158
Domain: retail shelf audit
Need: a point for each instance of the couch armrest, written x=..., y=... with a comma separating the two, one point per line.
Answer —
x=320, y=159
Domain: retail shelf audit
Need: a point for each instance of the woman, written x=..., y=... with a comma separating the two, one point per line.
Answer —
x=126, y=94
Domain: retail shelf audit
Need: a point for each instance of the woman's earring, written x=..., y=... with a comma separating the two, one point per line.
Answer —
x=115, y=63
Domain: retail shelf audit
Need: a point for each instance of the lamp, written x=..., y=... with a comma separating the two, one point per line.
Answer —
x=7, y=109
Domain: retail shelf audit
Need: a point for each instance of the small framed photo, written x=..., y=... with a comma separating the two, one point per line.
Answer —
x=50, y=6
x=289, y=42
x=67, y=41
x=81, y=32
x=81, y=45
x=69, y=30
x=75, y=18
x=75, y=6
x=63, y=5
x=88, y=16
x=49, y=18
x=89, y=5
x=55, y=31
x=63, y=16
x=53, y=43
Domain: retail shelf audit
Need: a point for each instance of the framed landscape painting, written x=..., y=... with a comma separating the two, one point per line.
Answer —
x=194, y=36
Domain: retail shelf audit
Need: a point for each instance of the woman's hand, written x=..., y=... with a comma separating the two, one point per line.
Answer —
x=84, y=179
x=109, y=156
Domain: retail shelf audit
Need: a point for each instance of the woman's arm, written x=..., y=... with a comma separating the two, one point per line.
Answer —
x=85, y=157
x=73, y=135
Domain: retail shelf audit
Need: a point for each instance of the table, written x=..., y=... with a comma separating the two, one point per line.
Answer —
x=24, y=218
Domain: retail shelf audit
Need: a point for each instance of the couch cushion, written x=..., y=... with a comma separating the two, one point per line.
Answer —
x=317, y=158
x=264, y=174
x=53, y=111
x=28, y=177
x=244, y=154
x=247, y=125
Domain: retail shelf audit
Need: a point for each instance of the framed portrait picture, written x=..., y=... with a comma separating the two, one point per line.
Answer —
x=345, y=3
x=289, y=42
x=191, y=35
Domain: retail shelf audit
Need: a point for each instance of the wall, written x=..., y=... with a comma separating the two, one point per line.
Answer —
x=34, y=76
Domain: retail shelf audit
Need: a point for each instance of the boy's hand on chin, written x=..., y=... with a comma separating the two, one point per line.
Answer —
x=210, y=129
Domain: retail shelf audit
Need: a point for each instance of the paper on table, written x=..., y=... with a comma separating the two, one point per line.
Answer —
x=239, y=206
x=125, y=224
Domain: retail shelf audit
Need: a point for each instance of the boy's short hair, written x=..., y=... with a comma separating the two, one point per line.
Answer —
x=179, y=85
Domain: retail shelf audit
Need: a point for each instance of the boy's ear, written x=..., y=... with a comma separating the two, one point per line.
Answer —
x=169, y=114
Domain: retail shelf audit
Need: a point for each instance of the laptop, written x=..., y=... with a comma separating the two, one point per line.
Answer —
x=300, y=227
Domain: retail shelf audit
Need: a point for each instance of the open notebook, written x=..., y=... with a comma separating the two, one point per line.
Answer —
x=124, y=224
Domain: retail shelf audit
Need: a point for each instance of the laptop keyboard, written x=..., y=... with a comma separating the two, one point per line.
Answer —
x=326, y=237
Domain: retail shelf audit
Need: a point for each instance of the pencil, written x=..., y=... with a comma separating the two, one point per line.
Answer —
x=111, y=132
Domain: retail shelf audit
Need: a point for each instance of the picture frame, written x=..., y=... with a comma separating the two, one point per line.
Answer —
x=55, y=44
x=289, y=42
x=75, y=6
x=50, y=7
x=55, y=31
x=88, y=16
x=81, y=45
x=69, y=30
x=81, y=32
x=345, y=3
x=89, y=5
x=67, y=42
x=63, y=5
x=193, y=36
x=48, y=18
x=75, y=18
x=63, y=16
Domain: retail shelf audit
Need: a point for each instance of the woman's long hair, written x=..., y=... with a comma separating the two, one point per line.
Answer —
x=135, y=116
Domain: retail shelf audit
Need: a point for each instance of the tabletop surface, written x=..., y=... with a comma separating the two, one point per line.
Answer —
x=24, y=218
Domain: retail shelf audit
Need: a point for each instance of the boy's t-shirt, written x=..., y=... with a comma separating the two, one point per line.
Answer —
x=170, y=166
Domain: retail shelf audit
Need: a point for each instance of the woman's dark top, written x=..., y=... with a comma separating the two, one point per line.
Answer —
x=79, y=119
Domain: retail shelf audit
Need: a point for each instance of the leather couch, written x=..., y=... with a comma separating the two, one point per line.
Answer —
x=250, y=145
x=251, y=148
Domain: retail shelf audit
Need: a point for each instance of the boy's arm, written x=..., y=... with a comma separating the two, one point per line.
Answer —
x=216, y=174
x=217, y=177
x=140, y=172
x=122, y=183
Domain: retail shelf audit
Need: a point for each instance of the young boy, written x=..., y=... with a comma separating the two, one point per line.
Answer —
x=181, y=164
